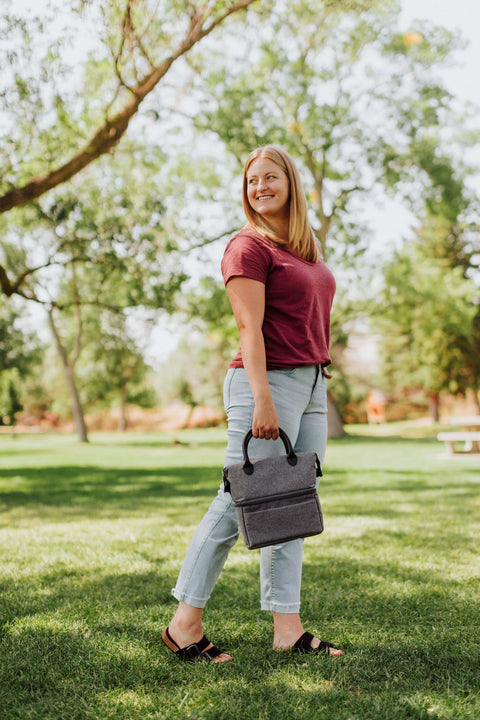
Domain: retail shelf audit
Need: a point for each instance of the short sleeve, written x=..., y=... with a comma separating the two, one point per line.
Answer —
x=246, y=256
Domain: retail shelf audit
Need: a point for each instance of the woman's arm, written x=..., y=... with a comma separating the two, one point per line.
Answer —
x=247, y=298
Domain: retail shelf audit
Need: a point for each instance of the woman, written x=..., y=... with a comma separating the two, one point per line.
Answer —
x=281, y=294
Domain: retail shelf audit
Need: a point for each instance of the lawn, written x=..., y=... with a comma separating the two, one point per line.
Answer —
x=92, y=538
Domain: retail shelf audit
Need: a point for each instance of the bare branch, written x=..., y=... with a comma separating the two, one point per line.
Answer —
x=210, y=241
x=342, y=196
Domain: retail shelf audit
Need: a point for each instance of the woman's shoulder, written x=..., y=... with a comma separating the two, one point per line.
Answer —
x=250, y=241
x=249, y=235
x=247, y=254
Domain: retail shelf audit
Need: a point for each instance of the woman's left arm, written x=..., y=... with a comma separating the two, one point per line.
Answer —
x=247, y=298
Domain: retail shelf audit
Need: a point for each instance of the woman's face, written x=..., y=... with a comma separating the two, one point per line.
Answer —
x=268, y=189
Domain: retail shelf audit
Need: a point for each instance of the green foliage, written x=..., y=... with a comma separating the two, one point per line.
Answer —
x=337, y=83
x=90, y=253
x=426, y=312
x=9, y=396
x=18, y=349
x=107, y=228
x=111, y=368
x=347, y=94
x=36, y=88
x=71, y=78
x=430, y=306
x=20, y=353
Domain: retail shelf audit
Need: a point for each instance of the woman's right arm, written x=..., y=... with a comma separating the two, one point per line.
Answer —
x=247, y=298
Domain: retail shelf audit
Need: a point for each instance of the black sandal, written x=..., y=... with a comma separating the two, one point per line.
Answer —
x=303, y=645
x=191, y=653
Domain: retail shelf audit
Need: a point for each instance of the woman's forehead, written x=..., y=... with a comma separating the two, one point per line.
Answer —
x=261, y=165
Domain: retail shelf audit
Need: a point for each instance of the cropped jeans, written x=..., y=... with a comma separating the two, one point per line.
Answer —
x=300, y=398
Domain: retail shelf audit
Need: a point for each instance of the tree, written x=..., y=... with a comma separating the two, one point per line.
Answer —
x=143, y=38
x=431, y=301
x=58, y=121
x=112, y=366
x=19, y=350
x=347, y=94
x=196, y=369
x=98, y=245
x=427, y=310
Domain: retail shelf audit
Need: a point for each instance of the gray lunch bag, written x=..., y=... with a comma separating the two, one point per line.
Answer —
x=276, y=497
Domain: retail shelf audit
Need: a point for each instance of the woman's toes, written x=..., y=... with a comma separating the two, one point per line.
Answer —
x=223, y=657
x=335, y=652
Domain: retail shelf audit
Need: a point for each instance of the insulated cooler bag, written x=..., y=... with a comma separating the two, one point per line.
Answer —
x=276, y=497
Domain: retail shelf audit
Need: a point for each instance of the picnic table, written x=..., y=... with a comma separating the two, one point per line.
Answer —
x=464, y=440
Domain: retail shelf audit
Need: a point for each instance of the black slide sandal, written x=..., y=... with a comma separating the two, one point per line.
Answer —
x=191, y=653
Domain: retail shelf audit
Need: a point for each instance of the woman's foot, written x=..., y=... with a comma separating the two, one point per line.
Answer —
x=309, y=644
x=289, y=634
x=185, y=631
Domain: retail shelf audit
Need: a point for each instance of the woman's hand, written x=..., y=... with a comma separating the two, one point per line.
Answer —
x=265, y=420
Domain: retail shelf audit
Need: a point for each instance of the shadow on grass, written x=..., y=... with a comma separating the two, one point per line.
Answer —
x=82, y=642
x=93, y=643
x=97, y=491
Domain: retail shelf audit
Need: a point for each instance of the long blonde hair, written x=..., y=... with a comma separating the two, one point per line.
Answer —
x=300, y=234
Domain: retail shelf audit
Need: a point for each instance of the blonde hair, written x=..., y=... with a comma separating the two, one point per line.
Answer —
x=300, y=234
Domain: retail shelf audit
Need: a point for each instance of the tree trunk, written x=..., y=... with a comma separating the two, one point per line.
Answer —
x=335, y=424
x=77, y=410
x=435, y=406
x=122, y=420
x=69, y=372
x=189, y=417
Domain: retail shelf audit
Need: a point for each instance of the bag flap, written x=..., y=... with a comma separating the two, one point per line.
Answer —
x=271, y=476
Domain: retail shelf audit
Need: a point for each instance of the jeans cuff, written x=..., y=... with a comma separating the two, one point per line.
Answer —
x=291, y=608
x=188, y=599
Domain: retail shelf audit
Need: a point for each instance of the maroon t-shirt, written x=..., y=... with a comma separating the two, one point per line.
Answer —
x=298, y=300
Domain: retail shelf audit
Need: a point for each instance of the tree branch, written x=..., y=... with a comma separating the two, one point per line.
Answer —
x=210, y=241
x=342, y=196
x=318, y=180
x=111, y=131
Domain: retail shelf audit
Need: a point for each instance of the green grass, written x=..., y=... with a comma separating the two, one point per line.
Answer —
x=92, y=538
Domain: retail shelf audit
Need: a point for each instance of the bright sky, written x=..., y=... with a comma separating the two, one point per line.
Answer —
x=463, y=15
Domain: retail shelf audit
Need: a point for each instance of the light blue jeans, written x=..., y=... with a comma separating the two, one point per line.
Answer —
x=300, y=397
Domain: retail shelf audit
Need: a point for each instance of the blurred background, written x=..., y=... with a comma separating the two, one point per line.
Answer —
x=124, y=126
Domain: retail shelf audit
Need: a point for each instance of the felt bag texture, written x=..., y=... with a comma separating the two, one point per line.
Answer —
x=276, y=498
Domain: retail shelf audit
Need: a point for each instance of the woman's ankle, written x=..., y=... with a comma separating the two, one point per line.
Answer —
x=187, y=620
x=287, y=628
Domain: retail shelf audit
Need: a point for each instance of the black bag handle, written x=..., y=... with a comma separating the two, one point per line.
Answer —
x=248, y=466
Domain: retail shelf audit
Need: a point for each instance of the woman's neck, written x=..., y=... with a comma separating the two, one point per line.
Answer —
x=280, y=227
